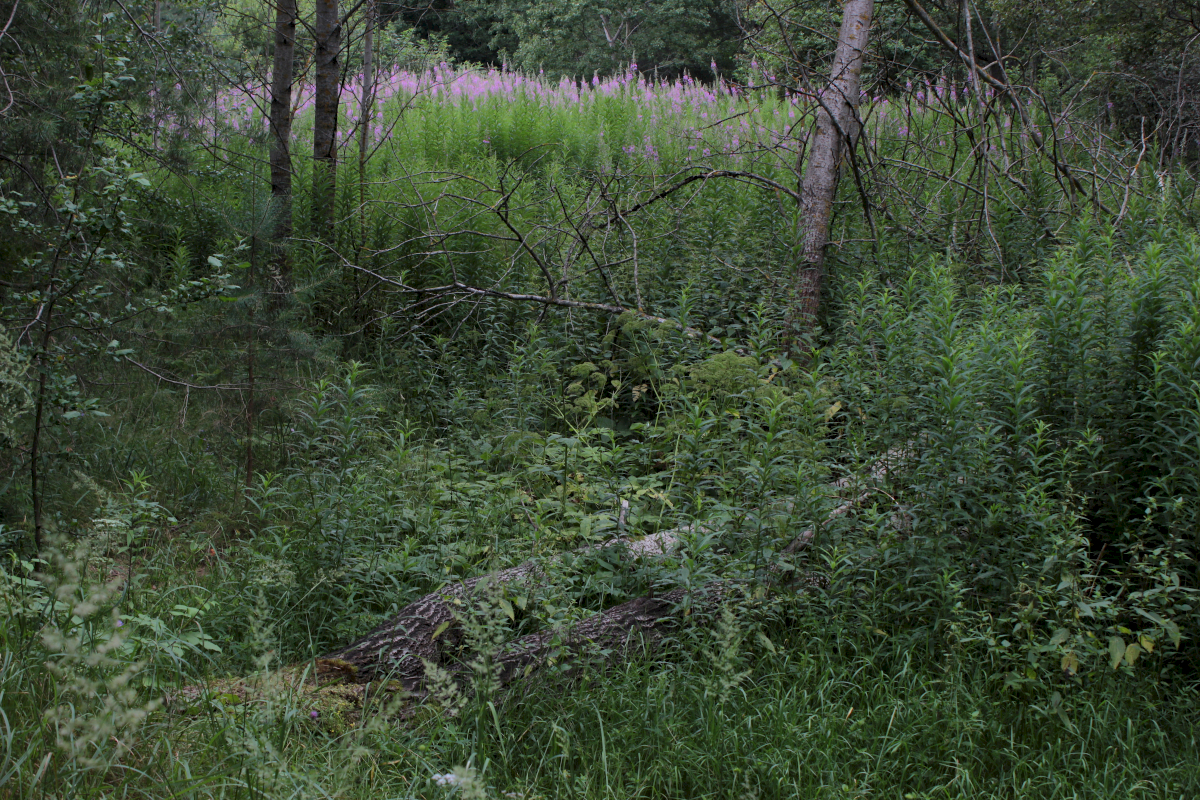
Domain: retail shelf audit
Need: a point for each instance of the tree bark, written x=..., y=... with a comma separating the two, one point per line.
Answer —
x=427, y=630
x=364, y=121
x=328, y=34
x=281, y=132
x=836, y=131
x=36, y=490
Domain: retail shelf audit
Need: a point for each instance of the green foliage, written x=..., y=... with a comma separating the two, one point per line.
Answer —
x=1028, y=429
x=14, y=393
x=578, y=39
x=791, y=45
x=75, y=277
x=1014, y=593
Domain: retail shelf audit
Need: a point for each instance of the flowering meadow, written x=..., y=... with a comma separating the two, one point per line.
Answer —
x=444, y=145
x=447, y=114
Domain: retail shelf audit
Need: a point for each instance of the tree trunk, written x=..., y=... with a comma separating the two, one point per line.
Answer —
x=364, y=121
x=36, y=490
x=328, y=35
x=836, y=130
x=281, y=132
x=156, y=103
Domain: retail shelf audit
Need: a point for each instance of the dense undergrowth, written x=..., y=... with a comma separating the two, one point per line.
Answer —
x=1010, y=611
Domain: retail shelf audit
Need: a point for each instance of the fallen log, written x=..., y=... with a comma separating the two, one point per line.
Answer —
x=427, y=633
x=428, y=630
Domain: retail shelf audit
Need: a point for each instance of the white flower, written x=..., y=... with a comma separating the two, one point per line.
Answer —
x=449, y=779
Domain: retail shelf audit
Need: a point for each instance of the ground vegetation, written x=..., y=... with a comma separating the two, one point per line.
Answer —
x=452, y=426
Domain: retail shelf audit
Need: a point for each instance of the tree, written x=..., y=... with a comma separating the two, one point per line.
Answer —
x=568, y=37
x=43, y=48
x=473, y=30
x=366, y=102
x=72, y=281
x=281, y=128
x=327, y=33
x=668, y=37
x=834, y=136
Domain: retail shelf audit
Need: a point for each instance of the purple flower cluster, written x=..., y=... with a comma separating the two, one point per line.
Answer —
x=678, y=121
x=679, y=108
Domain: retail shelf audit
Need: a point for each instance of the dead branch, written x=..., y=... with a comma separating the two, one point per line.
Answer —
x=1008, y=90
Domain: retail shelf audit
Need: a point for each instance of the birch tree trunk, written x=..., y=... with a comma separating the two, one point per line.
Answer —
x=328, y=34
x=836, y=132
x=281, y=131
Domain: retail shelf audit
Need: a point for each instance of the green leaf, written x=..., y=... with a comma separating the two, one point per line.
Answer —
x=1059, y=637
x=1116, y=651
x=1132, y=652
x=440, y=630
x=507, y=608
x=1173, y=632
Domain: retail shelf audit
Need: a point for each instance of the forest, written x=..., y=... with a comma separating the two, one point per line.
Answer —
x=599, y=399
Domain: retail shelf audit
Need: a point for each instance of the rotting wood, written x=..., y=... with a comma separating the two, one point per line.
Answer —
x=428, y=629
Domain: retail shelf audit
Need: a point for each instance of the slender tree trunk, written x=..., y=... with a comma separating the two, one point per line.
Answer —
x=281, y=133
x=364, y=123
x=157, y=102
x=46, y=313
x=328, y=35
x=35, y=454
x=836, y=130
x=250, y=409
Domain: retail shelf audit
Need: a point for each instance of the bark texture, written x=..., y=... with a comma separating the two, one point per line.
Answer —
x=327, y=31
x=836, y=131
x=428, y=629
x=366, y=101
x=281, y=128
